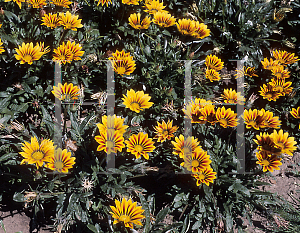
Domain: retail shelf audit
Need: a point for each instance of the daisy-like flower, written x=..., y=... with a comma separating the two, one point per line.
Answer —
x=127, y=212
x=208, y=114
x=137, y=101
x=232, y=97
x=247, y=71
x=185, y=147
x=62, y=54
x=61, y=161
x=122, y=62
x=62, y=3
x=280, y=73
x=226, y=117
x=130, y=2
x=193, y=110
x=164, y=130
x=35, y=153
x=154, y=6
x=43, y=49
x=284, y=57
x=19, y=2
x=51, y=20
x=281, y=86
x=265, y=143
x=254, y=118
x=1, y=47
x=282, y=141
x=135, y=21
x=268, y=92
x=103, y=2
x=37, y=3
x=110, y=141
x=139, y=144
x=186, y=26
x=163, y=19
x=213, y=62
x=212, y=75
x=295, y=112
x=66, y=92
x=112, y=122
x=269, y=120
x=197, y=161
x=269, y=65
x=70, y=21
x=205, y=176
x=201, y=30
x=267, y=161
x=75, y=50
x=28, y=53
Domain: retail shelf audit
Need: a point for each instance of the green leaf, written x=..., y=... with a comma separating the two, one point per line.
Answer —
x=197, y=225
x=162, y=214
x=19, y=197
x=147, y=213
x=85, y=123
x=92, y=228
x=7, y=156
x=2, y=225
x=166, y=33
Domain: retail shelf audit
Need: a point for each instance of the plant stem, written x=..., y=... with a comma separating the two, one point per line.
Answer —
x=140, y=43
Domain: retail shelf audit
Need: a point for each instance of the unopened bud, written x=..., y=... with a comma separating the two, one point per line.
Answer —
x=42, y=12
x=2, y=11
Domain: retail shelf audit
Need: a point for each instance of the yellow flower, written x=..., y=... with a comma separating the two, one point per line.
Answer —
x=28, y=53
x=269, y=65
x=208, y=114
x=163, y=19
x=280, y=73
x=201, y=30
x=265, y=143
x=212, y=75
x=137, y=101
x=62, y=3
x=232, y=97
x=154, y=6
x=268, y=92
x=112, y=122
x=295, y=113
x=70, y=21
x=194, y=111
x=103, y=2
x=42, y=47
x=206, y=176
x=66, y=92
x=62, y=54
x=135, y=21
x=1, y=47
x=282, y=141
x=269, y=120
x=196, y=162
x=127, y=212
x=37, y=3
x=185, y=147
x=110, y=141
x=130, y=2
x=61, y=161
x=75, y=50
x=164, y=131
x=19, y=2
x=139, y=144
x=122, y=62
x=254, y=118
x=226, y=118
x=213, y=62
x=51, y=21
x=35, y=153
x=284, y=57
x=267, y=161
x=186, y=26
x=282, y=87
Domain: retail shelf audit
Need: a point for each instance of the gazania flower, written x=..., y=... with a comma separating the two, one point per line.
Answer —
x=232, y=97
x=137, y=101
x=226, y=118
x=206, y=176
x=269, y=65
x=75, y=50
x=267, y=161
x=37, y=3
x=62, y=54
x=254, y=118
x=19, y=2
x=265, y=143
x=122, y=63
x=282, y=141
x=127, y=212
x=186, y=26
x=165, y=131
x=163, y=19
x=268, y=92
x=295, y=112
x=135, y=21
x=208, y=114
x=212, y=75
x=185, y=147
x=139, y=144
x=1, y=47
x=28, y=53
x=112, y=122
x=280, y=73
x=213, y=62
x=194, y=111
x=70, y=21
x=51, y=20
x=197, y=161
x=130, y=2
x=61, y=161
x=284, y=57
x=154, y=6
x=103, y=2
x=269, y=120
x=201, y=30
x=62, y=3
x=66, y=92
x=282, y=87
x=43, y=49
x=35, y=153
x=110, y=141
